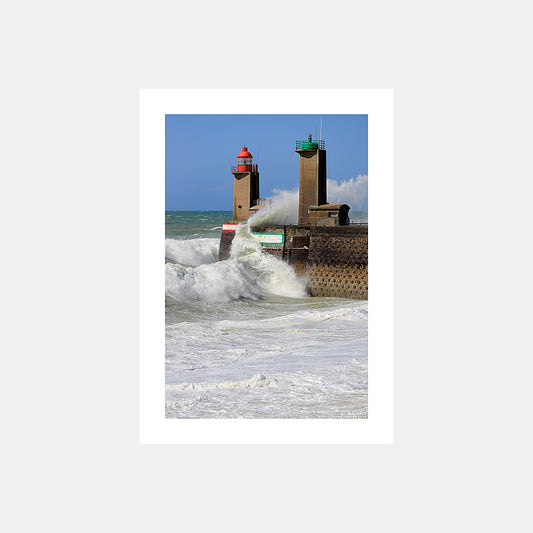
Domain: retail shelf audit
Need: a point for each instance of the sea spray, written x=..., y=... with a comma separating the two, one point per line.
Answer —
x=281, y=209
x=353, y=192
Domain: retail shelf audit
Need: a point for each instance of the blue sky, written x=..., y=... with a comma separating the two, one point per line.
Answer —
x=200, y=149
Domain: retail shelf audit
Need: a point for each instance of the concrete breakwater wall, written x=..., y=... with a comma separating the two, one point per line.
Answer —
x=334, y=259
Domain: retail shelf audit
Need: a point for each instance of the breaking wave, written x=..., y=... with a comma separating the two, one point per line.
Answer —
x=195, y=273
x=248, y=273
x=192, y=252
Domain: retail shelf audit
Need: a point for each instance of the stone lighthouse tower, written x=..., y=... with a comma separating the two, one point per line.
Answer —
x=246, y=186
x=313, y=208
x=313, y=180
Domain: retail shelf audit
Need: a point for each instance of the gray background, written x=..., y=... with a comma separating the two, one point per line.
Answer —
x=69, y=218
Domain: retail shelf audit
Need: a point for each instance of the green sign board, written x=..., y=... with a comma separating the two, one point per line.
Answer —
x=270, y=238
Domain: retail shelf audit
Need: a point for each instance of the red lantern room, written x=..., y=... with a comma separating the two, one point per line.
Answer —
x=244, y=161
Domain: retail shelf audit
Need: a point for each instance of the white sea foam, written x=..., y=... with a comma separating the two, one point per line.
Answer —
x=257, y=380
x=294, y=358
x=301, y=364
x=236, y=348
x=192, y=252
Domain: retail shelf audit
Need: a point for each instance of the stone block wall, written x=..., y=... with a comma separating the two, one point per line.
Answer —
x=225, y=245
x=296, y=249
x=337, y=263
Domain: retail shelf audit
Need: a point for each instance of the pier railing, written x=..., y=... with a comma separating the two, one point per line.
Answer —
x=310, y=145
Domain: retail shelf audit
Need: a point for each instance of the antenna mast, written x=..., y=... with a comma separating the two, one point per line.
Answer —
x=320, y=128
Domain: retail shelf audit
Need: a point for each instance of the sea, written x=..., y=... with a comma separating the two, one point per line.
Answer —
x=245, y=340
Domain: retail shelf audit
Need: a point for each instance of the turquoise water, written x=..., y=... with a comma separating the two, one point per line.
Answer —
x=191, y=224
x=194, y=224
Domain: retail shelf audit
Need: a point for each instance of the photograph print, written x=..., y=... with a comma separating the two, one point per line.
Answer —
x=266, y=266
